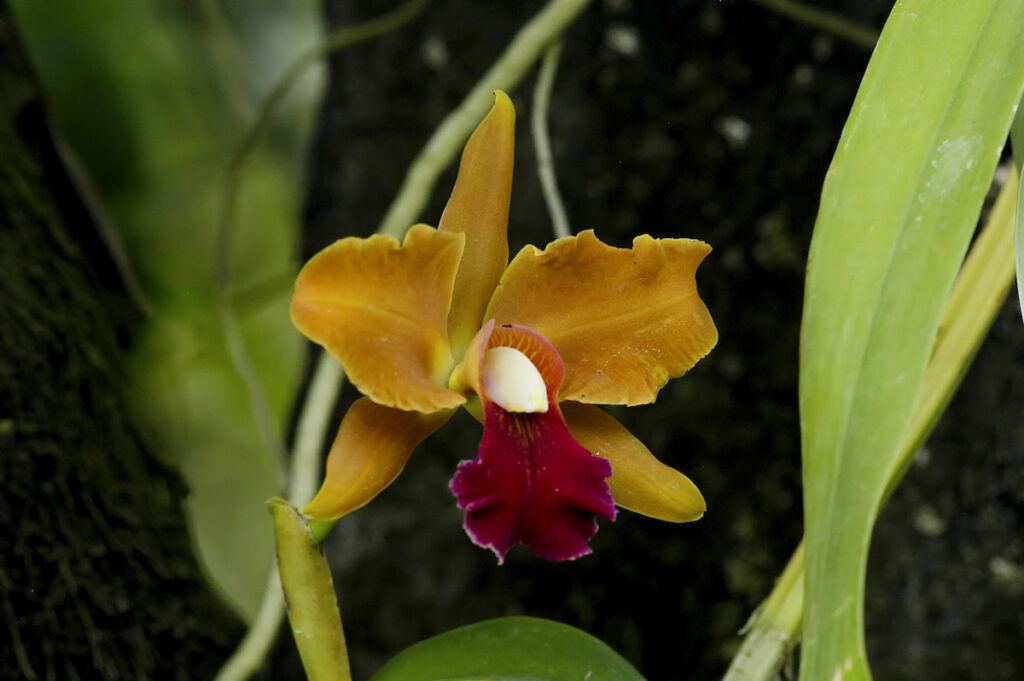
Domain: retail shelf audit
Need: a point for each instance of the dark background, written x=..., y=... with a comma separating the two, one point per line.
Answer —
x=641, y=144
x=705, y=119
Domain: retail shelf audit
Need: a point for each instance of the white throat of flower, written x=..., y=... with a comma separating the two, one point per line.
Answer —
x=511, y=381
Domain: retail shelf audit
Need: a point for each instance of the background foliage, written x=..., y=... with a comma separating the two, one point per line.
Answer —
x=154, y=99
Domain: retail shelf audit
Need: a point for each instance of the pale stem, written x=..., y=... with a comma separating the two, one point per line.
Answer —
x=865, y=36
x=322, y=395
x=447, y=139
x=248, y=657
x=455, y=129
x=542, y=143
x=252, y=650
x=303, y=477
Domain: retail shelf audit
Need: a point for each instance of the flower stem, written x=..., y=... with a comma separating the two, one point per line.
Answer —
x=250, y=653
x=542, y=144
x=324, y=388
x=322, y=395
x=319, y=529
x=440, y=149
x=455, y=129
x=865, y=36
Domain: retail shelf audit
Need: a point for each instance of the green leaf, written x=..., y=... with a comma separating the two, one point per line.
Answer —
x=509, y=648
x=1017, y=140
x=152, y=104
x=899, y=205
x=1019, y=247
x=978, y=295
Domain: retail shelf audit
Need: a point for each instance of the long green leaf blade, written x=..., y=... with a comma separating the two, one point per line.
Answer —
x=898, y=208
x=978, y=295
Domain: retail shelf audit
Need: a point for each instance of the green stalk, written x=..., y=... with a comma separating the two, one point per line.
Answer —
x=301, y=564
x=326, y=383
x=775, y=627
x=542, y=143
x=309, y=595
x=865, y=36
x=302, y=480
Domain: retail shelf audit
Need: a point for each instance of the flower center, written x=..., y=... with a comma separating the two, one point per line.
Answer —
x=511, y=381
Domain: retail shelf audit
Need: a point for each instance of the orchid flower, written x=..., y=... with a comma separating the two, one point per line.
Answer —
x=443, y=320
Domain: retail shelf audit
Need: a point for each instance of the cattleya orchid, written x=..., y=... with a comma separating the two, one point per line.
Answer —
x=443, y=320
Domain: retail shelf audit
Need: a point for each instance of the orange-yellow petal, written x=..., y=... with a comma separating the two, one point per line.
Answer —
x=381, y=309
x=639, y=482
x=478, y=208
x=624, y=321
x=369, y=452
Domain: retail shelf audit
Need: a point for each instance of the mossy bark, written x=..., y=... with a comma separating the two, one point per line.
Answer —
x=97, y=576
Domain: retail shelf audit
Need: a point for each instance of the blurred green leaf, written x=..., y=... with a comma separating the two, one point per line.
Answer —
x=153, y=97
x=899, y=205
x=509, y=648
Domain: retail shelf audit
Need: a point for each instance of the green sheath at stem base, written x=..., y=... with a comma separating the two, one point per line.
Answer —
x=309, y=596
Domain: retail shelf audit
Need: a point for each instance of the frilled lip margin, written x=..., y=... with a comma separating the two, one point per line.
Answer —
x=532, y=483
